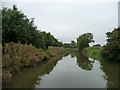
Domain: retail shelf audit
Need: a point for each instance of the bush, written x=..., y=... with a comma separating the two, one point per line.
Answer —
x=17, y=56
x=84, y=40
x=111, y=51
x=17, y=27
x=93, y=52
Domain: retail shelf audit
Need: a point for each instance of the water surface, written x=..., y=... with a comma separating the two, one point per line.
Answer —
x=69, y=71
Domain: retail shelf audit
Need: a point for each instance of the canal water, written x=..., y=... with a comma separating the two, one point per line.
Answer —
x=72, y=70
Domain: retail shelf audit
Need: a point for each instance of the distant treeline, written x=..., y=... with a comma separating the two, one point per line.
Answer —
x=73, y=44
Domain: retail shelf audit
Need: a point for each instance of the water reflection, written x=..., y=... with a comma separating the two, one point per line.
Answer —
x=74, y=70
x=84, y=61
x=73, y=54
x=31, y=75
x=111, y=71
x=65, y=54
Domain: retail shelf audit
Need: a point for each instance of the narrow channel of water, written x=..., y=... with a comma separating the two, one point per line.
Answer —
x=70, y=71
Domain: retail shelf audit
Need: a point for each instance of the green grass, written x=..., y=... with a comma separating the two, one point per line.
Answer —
x=93, y=52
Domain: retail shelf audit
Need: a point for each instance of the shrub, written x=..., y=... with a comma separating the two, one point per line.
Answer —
x=93, y=52
x=17, y=56
x=111, y=51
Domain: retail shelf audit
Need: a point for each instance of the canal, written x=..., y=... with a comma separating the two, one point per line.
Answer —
x=72, y=70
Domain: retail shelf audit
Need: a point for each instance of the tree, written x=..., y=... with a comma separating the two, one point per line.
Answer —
x=111, y=51
x=84, y=40
x=73, y=44
x=18, y=28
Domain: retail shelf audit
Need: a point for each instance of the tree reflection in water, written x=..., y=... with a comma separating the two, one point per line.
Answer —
x=109, y=68
x=84, y=61
x=33, y=74
x=73, y=54
x=111, y=71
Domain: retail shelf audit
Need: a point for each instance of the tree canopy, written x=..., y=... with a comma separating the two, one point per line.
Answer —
x=111, y=51
x=84, y=40
x=18, y=28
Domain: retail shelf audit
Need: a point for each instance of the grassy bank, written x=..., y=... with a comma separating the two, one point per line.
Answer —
x=17, y=56
x=93, y=52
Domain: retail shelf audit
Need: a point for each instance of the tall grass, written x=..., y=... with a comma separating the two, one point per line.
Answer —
x=17, y=56
x=93, y=52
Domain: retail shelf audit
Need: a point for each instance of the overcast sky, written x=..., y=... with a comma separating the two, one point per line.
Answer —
x=67, y=20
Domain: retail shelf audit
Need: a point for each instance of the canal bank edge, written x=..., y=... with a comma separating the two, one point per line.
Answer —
x=17, y=57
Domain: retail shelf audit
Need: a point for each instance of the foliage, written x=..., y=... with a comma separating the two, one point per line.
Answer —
x=84, y=40
x=52, y=51
x=17, y=56
x=48, y=40
x=111, y=51
x=83, y=61
x=17, y=27
x=97, y=45
x=70, y=45
x=23, y=44
x=67, y=45
x=93, y=52
x=73, y=44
